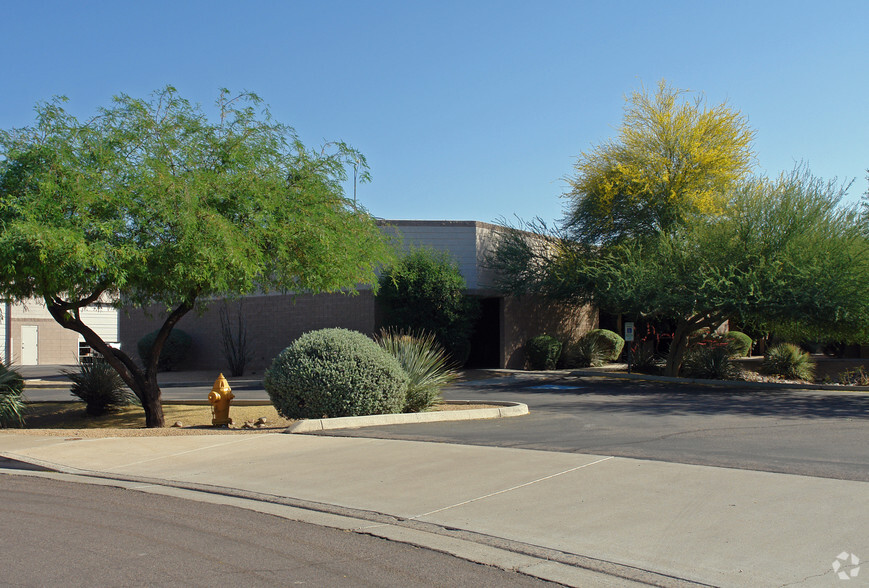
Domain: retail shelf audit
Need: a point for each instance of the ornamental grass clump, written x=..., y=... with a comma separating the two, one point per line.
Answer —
x=100, y=387
x=710, y=362
x=426, y=363
x=12, y=405
x=590, y=350
x=335, y=373
x=788, y=361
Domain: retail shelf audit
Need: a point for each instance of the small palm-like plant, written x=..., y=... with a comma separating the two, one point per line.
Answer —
x=712, y=362
x=100, y=387
x=788, y=361
x=590, y=350
x=425, y=362
x=12, y=405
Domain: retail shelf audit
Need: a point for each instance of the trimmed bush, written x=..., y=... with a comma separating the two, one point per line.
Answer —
x=424, y=361
x=788, y=361
x=589, y=351
x=542, y=352
x=174, y=349
x=740, y=343
x=710, y=362
x=101, y=388
x=335, y=373
x=12, y=406
x=612, y=342
x=425, y=291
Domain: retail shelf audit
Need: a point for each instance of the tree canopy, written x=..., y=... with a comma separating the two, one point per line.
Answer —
x=151, y=202
x=672, y=158
x=667, y=222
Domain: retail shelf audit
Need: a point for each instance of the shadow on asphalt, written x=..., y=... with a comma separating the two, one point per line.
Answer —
x=654, y=398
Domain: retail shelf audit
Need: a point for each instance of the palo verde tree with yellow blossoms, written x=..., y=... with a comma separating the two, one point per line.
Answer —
x=672, y=158
x=667, y=222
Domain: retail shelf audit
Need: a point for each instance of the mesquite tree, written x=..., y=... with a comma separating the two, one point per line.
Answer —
x=152, y=202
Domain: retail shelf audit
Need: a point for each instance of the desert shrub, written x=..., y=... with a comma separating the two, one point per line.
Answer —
x=12, y=405
x=424, y=361
x=612, y=342
x=740, y=343
x=711, y=362
x=335, y=373
x=425, y=292
x=788, y=361
x=856, y=377
x=589, y=350
x=174, y=349
x=233, y=339
x=100, y=387
x=644, y=360
x=542, y=352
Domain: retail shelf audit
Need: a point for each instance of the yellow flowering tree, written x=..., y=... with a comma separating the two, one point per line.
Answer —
x=673, y=157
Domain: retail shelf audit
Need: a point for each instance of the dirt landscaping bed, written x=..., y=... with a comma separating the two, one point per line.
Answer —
x=68, y=419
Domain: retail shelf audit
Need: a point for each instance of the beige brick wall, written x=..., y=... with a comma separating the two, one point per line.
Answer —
x=273, y=322
x=528, y=317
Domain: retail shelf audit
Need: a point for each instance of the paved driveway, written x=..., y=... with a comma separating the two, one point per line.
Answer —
x=807, y=432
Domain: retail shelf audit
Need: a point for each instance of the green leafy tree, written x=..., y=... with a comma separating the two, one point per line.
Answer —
x=424, y=292
x=781, y=255
x=672, y=158
x=151, y=202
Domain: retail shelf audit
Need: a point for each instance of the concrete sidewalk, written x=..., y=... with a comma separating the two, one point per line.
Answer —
x=583, y=520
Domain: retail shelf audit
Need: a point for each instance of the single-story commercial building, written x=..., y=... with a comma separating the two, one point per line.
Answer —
x=274, y=321
x=31, y=336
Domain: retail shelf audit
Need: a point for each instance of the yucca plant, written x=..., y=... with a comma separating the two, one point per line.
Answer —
x=100, y=387
x=711, y=362
x=12, y=405
x=590, y=350
x=644, y=360
x=788, y=361
x=425, y=362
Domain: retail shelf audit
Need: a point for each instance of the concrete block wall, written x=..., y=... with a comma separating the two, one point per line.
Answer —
x=273, y=322
x=527, y=317
x=55, y=345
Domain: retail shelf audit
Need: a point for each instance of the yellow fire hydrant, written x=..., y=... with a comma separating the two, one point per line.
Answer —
x=220, y=397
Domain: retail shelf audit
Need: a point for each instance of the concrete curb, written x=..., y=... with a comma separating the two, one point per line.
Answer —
x=717, y=383
x=505, y=409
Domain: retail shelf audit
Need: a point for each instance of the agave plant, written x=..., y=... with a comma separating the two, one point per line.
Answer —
x=12, y=405
x=590, y=350
x=100, y=387
x=426, y=363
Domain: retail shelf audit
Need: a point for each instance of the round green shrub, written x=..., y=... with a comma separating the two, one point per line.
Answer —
x=542, y=352
x=335, y=373
x=788, y=361
x=739, y=343
x=174, y=349
x=611, y=341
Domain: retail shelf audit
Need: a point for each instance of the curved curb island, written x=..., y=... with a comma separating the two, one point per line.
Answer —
x=504, y=409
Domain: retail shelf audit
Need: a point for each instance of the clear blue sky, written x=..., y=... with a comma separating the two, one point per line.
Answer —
x=466, y=110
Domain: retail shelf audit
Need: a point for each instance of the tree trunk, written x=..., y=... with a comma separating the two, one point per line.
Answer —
x=152, y=403
x=684, y=329
x=678, y=347
x=143, y=383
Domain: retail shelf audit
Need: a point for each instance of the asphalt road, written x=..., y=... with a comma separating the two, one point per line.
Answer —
x=68, y=534
x=800, y=432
